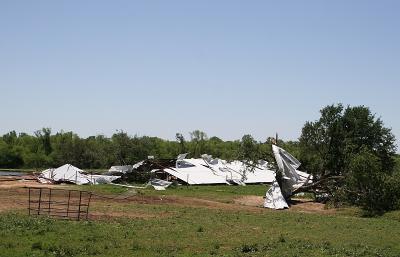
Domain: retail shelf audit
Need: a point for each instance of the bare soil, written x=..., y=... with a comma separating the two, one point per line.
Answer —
x=296, y=205
x=309, y=206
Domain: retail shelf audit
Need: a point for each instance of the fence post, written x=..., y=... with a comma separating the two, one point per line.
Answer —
x=79, y=208
x=49, y=200
x=87, y=209
x=40, y=200
x=29, y=201
x=69, y=197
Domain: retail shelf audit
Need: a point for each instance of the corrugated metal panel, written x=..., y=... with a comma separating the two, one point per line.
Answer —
x=198, y=171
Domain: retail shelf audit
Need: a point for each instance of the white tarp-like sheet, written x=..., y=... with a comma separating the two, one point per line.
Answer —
x=71, y=174
x=120, y=169
x=195, y=172
x=274, y=198
x=102, y=179
x=288, y=165
x=66, y=173
x=159, y=184
x=216, y=171
x=248, y=174
x=291, y=180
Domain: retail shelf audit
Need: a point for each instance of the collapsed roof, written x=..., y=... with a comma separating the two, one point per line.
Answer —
x=216, y=171
x=209, y=171
x=71, y=174
x=66, y=173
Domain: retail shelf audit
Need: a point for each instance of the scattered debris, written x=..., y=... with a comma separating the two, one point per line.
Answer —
x=71, y=174
x=159, y=184
x=204, y=170
x=119, y=170
x=292, y=179
x=274, y=198
x=129, y=186
x=102, y=179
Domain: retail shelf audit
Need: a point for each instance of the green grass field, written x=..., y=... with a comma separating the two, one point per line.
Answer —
x=172, y=230
x=221, y=193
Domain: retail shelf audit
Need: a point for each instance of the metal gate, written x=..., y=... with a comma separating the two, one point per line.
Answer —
x=59, y=203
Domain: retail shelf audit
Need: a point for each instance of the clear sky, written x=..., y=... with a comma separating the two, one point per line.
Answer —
x=225, y=67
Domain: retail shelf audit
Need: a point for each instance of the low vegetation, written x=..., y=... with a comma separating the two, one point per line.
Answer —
x=176, y=230
x=221, y=193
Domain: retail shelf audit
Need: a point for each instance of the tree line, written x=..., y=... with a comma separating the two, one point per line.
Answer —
x=44, y=149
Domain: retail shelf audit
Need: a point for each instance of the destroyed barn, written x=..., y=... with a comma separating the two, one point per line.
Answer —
x=161, y=173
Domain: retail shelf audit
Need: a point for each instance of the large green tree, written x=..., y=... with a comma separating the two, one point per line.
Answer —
x=346, y=149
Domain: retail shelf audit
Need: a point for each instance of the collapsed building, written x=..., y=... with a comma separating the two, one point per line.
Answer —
x=68, y=173
x=161, y=173
x=208, y=171
x=201, y=171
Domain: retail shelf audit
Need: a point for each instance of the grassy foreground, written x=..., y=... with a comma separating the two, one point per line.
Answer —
x=172, y=230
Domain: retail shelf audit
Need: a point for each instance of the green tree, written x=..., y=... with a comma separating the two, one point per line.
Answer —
x=198, y=141
x=10, y=156
x=330, y=149
x=182, y=143
x=368, y=186
x=44, y=137
x=249, y=154
x=123, y=147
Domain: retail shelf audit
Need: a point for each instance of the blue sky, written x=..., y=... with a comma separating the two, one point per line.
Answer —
x=225, y=67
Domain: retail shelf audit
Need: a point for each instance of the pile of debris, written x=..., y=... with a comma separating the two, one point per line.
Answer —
x=161, y=173
x=71, y=174
x=205, y=170
x=291, y=179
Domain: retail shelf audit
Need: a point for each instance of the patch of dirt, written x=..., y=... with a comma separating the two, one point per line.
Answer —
x=309, y=206
x=25, y=181
x=250, y=200
x=296, y=205
x=12, y=199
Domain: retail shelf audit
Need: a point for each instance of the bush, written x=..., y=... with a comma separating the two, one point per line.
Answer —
x=366, y=185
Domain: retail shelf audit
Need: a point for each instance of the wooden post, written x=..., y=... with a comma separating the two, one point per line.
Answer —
x=79, y=207
x=40, y=200
x=87, y=209
x=29, y=201
x=49, y=200
x=69, y=197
